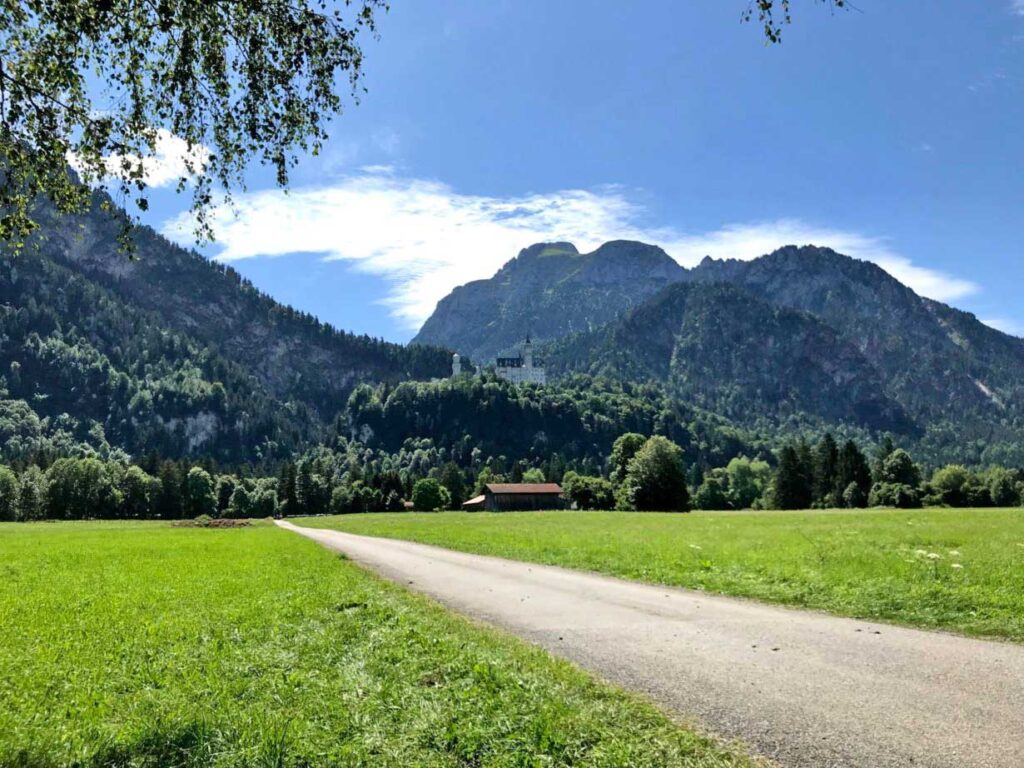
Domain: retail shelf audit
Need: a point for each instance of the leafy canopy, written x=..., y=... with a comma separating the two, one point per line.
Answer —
x=98, y=83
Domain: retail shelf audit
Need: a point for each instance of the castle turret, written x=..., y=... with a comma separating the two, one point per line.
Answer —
x=528, y=353
x=456, y=364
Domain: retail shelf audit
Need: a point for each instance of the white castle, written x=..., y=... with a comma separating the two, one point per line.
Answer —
x=521, y=369
x=515, y=369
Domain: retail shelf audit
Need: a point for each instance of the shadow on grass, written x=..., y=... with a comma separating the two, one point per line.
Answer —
x=190, y=745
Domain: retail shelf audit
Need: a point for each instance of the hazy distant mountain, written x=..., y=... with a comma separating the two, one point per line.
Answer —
x=549, y=290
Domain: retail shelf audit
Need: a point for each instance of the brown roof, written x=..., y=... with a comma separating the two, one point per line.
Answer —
x=513, y=488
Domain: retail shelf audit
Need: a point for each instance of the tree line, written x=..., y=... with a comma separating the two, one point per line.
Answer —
x=643, y=473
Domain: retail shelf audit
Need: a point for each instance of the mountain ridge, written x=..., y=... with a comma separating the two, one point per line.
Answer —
x=954, y=378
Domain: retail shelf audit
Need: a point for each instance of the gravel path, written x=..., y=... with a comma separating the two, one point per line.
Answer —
x=805, y=689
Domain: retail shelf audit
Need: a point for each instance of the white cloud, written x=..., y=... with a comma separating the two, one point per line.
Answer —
x=171, y=160
x=1017, y=6
x=426, y=238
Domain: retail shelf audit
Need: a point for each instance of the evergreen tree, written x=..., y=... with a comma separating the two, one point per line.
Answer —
x=453, y=479
x=286, y=490
x=853, y=469
x=312, y=493
x=168, y=503
x=791, y=489
x=825, y=470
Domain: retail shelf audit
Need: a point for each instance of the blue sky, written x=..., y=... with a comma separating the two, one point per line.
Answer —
x=891, y=132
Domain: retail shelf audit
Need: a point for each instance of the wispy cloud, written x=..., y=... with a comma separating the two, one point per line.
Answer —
x=426, y=238
x=173, y=159
x=1017, y=7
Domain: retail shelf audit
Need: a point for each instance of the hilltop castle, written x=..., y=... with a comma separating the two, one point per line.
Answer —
x=515, y=369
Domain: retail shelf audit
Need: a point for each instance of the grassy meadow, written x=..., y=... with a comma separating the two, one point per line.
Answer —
x=140, y=644
x=951, y=569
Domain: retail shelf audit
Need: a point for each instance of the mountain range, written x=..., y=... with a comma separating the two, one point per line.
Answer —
x=801, y=336
x=172, y=354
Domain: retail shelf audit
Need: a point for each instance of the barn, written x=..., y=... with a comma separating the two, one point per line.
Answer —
x=505, y=497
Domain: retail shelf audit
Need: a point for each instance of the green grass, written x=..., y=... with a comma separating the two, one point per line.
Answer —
x=144, y=645
x=871, y=564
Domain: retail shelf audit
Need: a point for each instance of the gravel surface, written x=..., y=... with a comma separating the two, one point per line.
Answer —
x=802, y=688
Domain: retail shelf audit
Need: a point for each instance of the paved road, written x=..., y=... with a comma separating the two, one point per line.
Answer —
x=802, y=688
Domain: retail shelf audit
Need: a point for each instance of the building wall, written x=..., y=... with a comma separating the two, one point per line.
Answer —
x=523, y=375
x=506, y=502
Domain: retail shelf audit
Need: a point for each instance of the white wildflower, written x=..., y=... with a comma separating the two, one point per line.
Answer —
x=954, y=553
x=934, y=556
x=957, y=566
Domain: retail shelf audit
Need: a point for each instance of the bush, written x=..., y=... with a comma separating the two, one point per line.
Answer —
x=32, y=495
x=9, y=492
x=896, y=495
x=341, y=501
x=199, y=496
x=587, y=492
x=713, y=493
x=655, y=479
x=428, y=495
x=241, y=503
x=854, y=497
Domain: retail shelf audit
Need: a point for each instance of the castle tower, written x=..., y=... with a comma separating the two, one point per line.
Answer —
x=527, y=353
x=456, y=364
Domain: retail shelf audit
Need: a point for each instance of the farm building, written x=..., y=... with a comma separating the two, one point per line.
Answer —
x=504, y=497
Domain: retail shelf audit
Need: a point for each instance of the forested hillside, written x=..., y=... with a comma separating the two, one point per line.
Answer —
x=82, y=366
x=167, y=354
x=476, y=418
x=293, y=355
x=735, y=355
x=799, y=339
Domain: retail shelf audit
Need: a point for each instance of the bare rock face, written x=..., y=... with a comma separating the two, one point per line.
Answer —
x=548, y=291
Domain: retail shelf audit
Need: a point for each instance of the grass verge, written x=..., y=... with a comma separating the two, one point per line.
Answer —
x=959, y=570
x=139, y=644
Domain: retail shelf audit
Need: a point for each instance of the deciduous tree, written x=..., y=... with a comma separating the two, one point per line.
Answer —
x=109, y=82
